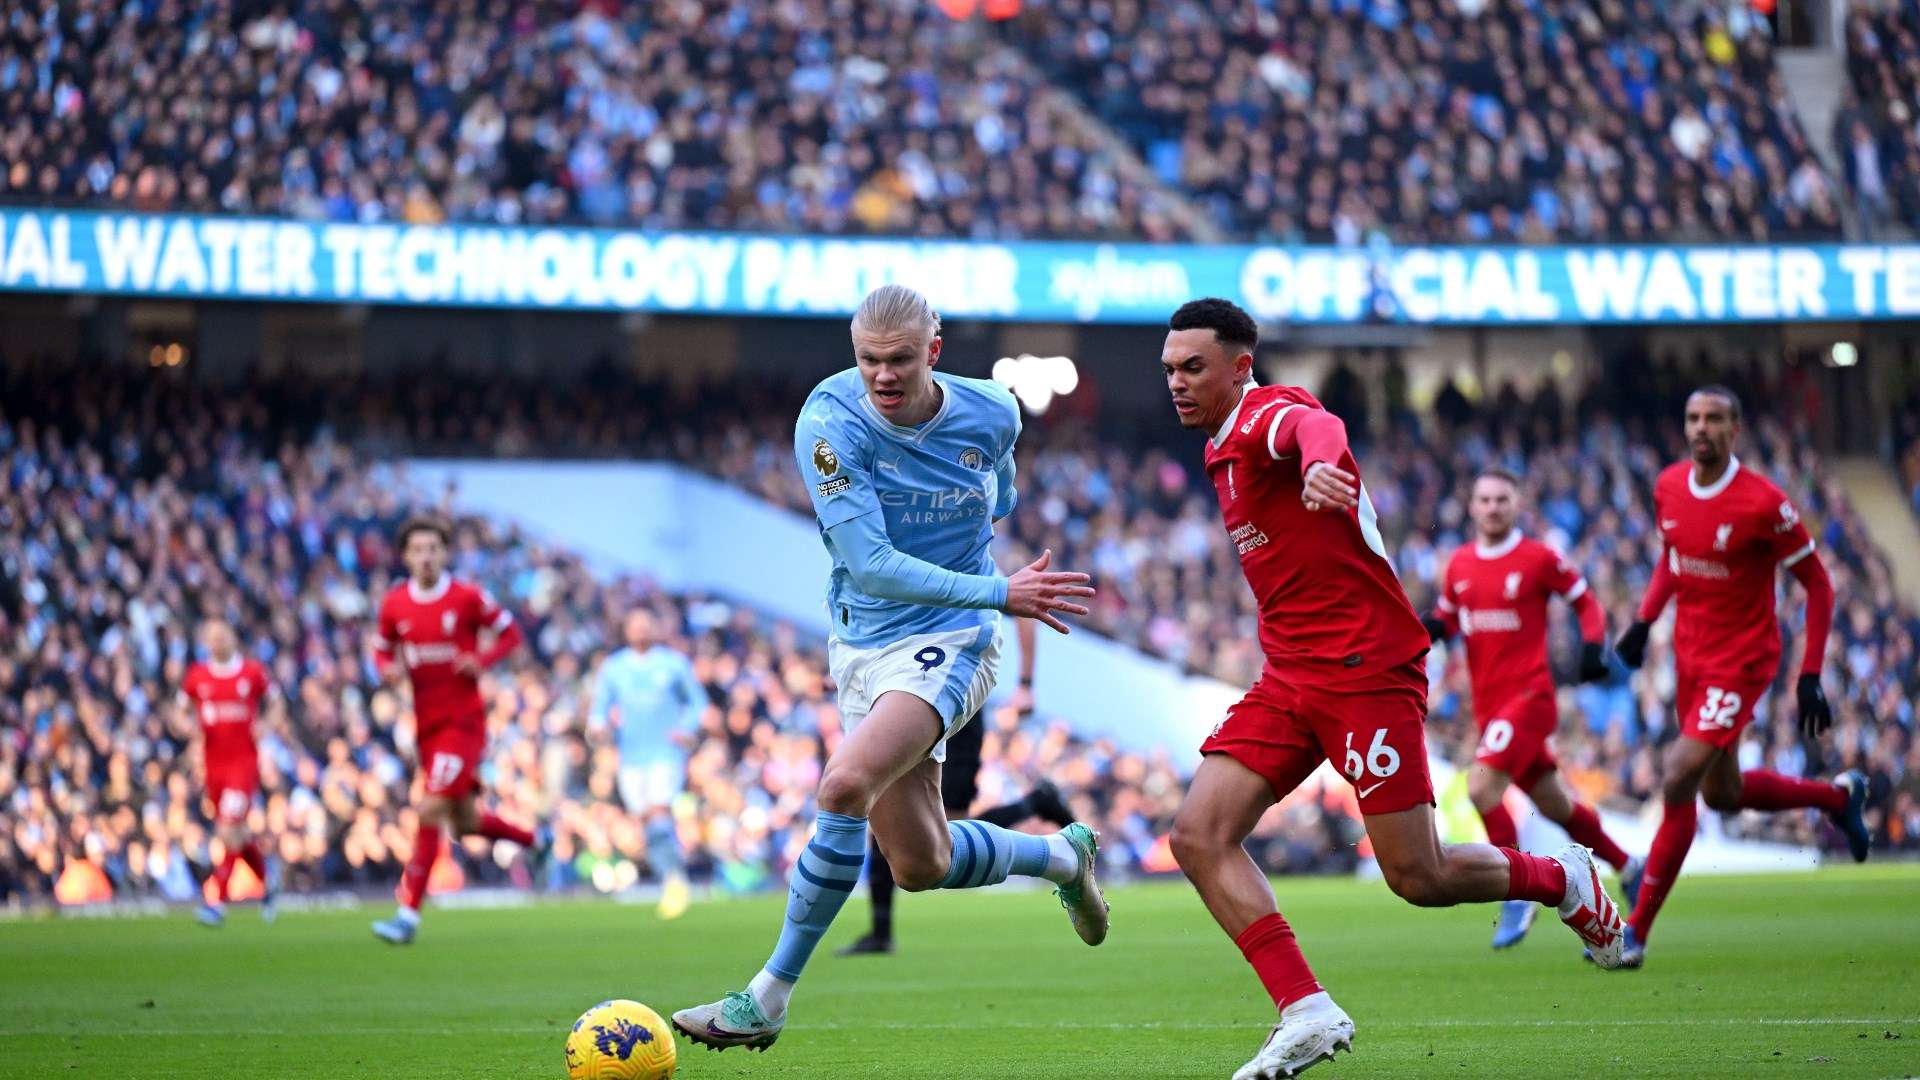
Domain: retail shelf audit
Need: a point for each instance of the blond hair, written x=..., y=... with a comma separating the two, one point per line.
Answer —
x=896, y=308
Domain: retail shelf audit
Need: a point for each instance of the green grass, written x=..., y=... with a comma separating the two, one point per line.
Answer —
x=1789, y=976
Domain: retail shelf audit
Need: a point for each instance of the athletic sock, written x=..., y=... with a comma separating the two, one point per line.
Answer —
x=1501, y=832
x=823, y=876
x=1270, y=948
x=256, y=861
x=1664, y=859
x=1585, y=828
x=493, y=827
x=985, y=854
x=1535, y=877
x=663, y=847
x=1763, y=789
x=413, y=881
x=222, y=871
x=880, y=888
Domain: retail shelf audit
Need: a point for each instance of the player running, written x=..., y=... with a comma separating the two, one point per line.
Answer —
x=908, y=471
x=959, y=786
x=1344, y=682
x=430, y=632
x=1727, y=529
x=1495, y=594
x=225, y=692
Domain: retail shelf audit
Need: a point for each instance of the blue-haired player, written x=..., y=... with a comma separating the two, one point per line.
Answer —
x=908, y=470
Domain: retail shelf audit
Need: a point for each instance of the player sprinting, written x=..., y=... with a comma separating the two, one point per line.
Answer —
x=1343, y=682
x=430, y=632
x=959, y=786
x=649, y=692
x=225, y=693
x=1495, y=593
x=908, y=471
x=1727, y=530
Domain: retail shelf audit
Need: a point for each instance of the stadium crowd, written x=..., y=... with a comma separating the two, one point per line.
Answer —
x=811, y=115
x=1877, y=132
x=138, y=502
x=1484, y=121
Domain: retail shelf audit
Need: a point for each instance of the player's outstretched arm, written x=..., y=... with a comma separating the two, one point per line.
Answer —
x=1042, y=594
x=1632, y=645
x=1320, y=440
x=1816, y=716
x=880, y=570
x=1593, y=634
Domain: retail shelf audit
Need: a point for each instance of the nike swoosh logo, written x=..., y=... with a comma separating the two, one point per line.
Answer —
x=1366, y=791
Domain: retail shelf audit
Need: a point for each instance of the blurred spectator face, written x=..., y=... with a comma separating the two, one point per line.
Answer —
x=897, y=366
x=1493, y=506
x=1204, y=376
x=1711, y=428
x=640, y=631
x=218, y=638
x=425, y=553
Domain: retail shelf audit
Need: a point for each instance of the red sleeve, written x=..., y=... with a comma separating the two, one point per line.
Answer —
x=1563, y=579
x=1314, y=433
x=1813, y=577
x=504, y=642
x=386, y=635
x=1791, y=542
x=1444, y=608
x=1659, y=589
x=190, y=688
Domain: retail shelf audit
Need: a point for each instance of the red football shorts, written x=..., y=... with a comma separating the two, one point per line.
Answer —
x=232, y=797
x=1373, y=730
x=450, y=762
x=1513, y=739
x=1715, y=706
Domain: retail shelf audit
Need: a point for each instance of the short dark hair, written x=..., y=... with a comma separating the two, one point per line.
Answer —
x=1498, y=472
x=1229, y=321
x=425, y=523
x=1723, y=392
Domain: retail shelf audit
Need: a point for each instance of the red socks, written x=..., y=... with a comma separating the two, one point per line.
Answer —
x=1535, y=877
x=1584, y=826
x=1670, y=844
x=1269, y=946
x=221, y=873
x=1501, y=831
x=255, y=859
x=413, y=882
x=493, y=828
x=1761, y=789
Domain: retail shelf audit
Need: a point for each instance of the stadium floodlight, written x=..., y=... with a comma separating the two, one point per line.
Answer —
x=1843, y=354
x=1037, y=380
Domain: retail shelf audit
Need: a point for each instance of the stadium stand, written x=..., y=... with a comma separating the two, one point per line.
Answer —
x=1876, y=134
x=817, y=116
x=138, y=502
x=1490, y=121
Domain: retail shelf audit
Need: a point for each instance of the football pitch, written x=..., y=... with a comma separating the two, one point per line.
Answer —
x=1785, y=976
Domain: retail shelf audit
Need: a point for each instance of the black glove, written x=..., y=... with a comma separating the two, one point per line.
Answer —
x=1436, y=630
x=1815, y=715
x=1593, y=662
x=1632, y=645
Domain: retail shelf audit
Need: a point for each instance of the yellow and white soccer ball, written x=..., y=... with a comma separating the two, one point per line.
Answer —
x=620, y=1040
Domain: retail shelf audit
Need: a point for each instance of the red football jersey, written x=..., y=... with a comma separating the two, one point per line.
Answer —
x=1724, y=544
x=1497, y=597
x=1331, y=609
x=226, y=700
x=427, y=631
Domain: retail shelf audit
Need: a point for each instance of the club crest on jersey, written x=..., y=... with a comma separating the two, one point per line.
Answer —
x=971, y=458
x=1513, y=585
x=824, y=459
x=1789, y=517
x=447, y=619
x=1720, y=537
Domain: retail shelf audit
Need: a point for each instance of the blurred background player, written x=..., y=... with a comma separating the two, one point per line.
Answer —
x=908, y=471
x=1494, y=594
x=225, y=691
x=1727, y=531
x=648, y=692
x=959, y=786
x=430, y=633
x=1344, y=682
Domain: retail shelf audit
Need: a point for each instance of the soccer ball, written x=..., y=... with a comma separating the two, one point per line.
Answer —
x=620, y=1040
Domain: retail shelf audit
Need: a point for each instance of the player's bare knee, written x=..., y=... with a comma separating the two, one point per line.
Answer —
x=847, y=791
x=1199, y=839
x=1721, y=798
x=1679, y=788
x=918, y=874
x=1417, y=883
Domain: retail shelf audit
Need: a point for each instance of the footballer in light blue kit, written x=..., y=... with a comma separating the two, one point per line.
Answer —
x=908, y=470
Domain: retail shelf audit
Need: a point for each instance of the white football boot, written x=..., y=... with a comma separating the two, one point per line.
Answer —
x=1587, y=908
x=1309, y=1032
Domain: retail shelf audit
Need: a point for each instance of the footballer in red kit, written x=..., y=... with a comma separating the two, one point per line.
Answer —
x=439, y=634
x=1494, y=595
x=1344, y=682
x=225, y=693
x=1727, y=531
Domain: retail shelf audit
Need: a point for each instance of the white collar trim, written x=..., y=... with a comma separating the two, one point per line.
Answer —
x=1220, y=436
x=1504, y=547
x=900, y=431
x=428, y=596
x=1718, y=486
x=227, y=670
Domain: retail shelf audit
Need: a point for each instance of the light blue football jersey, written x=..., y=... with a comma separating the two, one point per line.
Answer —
x=939, y=488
